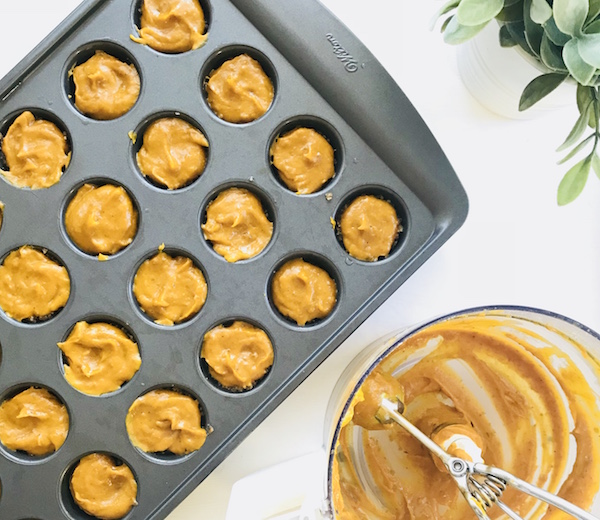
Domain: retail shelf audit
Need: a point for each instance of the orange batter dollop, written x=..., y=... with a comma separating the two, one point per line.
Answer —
x=172, y=25
x=100, y=358
x=238, y=355
x=103, y=488
x=236, y=225
x=169, y=289
x=36, y=152
x=34, y=421
x=239, y=91
x=165, y=420
x=303, y=292
x=369, y=228
x=304, y=160
x=173, y=153
x=101, y=219
x=1, y=214
x=105, y=87
x=31, y=285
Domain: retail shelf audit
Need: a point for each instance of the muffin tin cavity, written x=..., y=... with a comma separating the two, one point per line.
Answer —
x=318, y=261
x=21, y=456
x=265, y=200
x=173, y=252
x=68, y=505
x=86, y=52
x=181, y=154
x=323, y=128
x=247, y=359
x=104, y=229
x=387, y=195
x=40, y=115
x=228, y=53
x=168, y=457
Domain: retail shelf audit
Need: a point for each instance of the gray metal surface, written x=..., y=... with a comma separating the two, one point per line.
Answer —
x=385, y=148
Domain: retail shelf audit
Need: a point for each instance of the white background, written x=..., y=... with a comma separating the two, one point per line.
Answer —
x=516, y=247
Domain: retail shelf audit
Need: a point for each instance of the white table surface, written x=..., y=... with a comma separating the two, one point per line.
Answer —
x=516, y=247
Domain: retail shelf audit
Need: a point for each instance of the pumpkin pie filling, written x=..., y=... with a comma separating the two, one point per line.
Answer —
x=238, y=355
x=102, y=488
x=100, y=358
x=36, y=152
x=101, y=219
x=31, y=285
x=173, y=153
x=303, y=292
x=239, y=91
x=165, y=420
x=33, y=421
x=236, y=225
x=105, y=87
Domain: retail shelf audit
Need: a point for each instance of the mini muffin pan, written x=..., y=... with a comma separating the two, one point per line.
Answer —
x=323, y=78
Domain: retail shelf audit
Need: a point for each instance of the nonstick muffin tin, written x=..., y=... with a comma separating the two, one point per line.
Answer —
x=323, y=78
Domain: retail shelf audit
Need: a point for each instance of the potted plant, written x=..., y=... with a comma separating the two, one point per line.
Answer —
x=564, y=37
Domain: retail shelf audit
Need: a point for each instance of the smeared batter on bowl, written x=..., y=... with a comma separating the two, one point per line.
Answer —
x=236, y=225
x=33, y=421
x=369, y=228
x=529, y=406
x=239, y=91
x=103, y=488
x=100, y=358
x=101, y=219
x=165, y=420
x=105, y=87
x=237, y=355
x=304, y=160
x=31, y=285
x=303, y=292
x=171, y=25
x=169, y=289
x=173, y=152
x=36, y=152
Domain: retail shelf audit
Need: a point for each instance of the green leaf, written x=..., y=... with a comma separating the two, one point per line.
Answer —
x=445, y=24
x=573, y=182
x=596, y=164
x=589, y=49
x=517, y=31
x=551, y=55
x=539, y=88
x=506, y=40
x=577, y=149
x=570, y=15
x=508, y=3
x=476, y=12
x=594, y=10
x=593, y=28
x=456, y=33
x=582, y=71
x=540, y=11
x=578, y=129
x=585, y=95
x=533, y=31
x=554, y=33
x=511, y=13
x=446, y=8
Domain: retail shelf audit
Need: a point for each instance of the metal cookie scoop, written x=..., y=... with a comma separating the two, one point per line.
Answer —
x=481, y=485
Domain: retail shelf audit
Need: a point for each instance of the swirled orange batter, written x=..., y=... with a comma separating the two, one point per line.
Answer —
x=105, y=87
x=236, y=225
x=169, y=289
x=103, y=488
x=173, y=152
x=100, y=358
x=172, y=25
x=304, y=160
x=1, y=214
x=101, y=219
x=369, y=228
x=165, y=420
x=239, y=91
x=36, y=152
x=528, y=405
x=237, y=355
x=303, y=292
x=34, y=421
x=31, y=285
